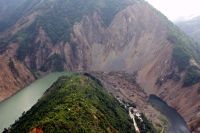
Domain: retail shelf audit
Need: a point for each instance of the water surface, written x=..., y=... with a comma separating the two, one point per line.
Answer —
x=176, y=122
x=12, y=108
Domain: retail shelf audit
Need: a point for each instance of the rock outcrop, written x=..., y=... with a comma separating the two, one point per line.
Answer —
x=126, y=36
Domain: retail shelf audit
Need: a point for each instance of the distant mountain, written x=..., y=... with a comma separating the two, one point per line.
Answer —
x=41, y=36
x=191, y=27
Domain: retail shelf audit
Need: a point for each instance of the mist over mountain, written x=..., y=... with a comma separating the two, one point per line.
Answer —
x=191, y=27
x=38, y=37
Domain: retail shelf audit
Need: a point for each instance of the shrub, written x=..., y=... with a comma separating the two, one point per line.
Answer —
x=26, y=38
x=54, y=62
x=181, y=58
x=66, y=107
x=192, y=76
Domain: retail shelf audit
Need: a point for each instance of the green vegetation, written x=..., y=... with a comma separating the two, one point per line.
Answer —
x=181, y=58
x=14, y=11
x=59, y=20
x=145, y=126
x=111, y=8
x=55, y=26
x=192, y=76
x=10, y=18
x=163, y=125
x=26, y=38
x=184, y=50
x=55, y=62
x=3, y=45
x=75, y=104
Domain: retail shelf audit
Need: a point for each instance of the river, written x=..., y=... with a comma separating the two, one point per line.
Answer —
x=176, y=122
x=12, y=108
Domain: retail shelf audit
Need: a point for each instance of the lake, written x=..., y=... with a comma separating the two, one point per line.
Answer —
x=176, y=122
x=12, y=108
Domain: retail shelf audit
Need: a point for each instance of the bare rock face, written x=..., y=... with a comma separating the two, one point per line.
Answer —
x=130, y=43
x=14, y=75
x=125, y=88
x=136, y=42
x=137, y=39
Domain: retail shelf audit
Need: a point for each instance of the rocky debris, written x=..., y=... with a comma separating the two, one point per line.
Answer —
x=126, y=90
x=136, y=39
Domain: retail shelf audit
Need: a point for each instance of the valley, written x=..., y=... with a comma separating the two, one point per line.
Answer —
x=13, y=107
x=133, y=49
x=24, y=101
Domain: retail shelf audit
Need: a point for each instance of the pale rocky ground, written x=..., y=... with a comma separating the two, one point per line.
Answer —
x=135, y=41
x=124, y=86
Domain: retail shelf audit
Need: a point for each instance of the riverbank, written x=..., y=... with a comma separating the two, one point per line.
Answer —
x=12, y=108
x=121, y=85
x=176, y=123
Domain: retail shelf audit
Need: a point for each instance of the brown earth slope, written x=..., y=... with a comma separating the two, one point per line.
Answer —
x=136, y=40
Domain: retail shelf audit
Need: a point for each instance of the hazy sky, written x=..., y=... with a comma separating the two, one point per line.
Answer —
x=177, y=9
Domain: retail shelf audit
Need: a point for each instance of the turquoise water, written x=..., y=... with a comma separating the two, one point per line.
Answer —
x=12, y=108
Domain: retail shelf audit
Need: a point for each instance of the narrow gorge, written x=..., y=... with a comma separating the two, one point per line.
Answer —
x=38, y=37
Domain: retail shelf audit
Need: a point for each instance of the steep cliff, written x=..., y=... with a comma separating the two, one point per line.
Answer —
x=14, y=74
x=106, y=35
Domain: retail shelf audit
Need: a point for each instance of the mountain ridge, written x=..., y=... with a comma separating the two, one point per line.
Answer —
x=76, y=104
x=132, y=38
x=190, y=27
